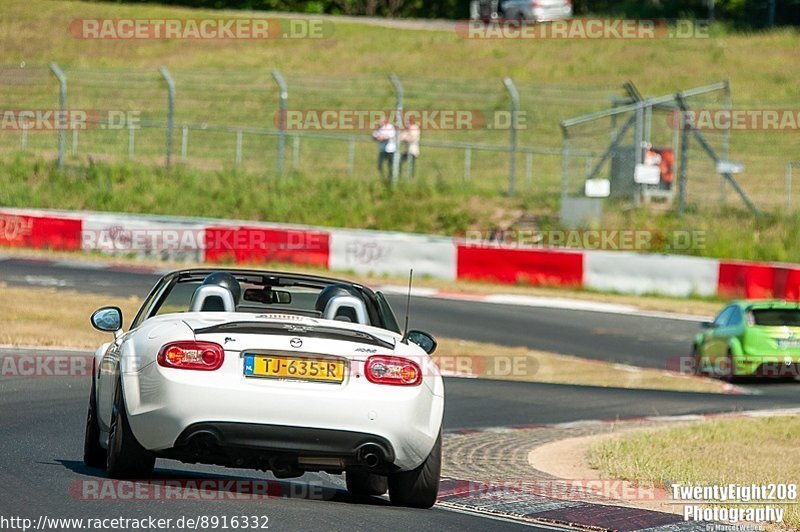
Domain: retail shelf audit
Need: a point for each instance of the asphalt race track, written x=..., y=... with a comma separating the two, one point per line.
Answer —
x=42, y=419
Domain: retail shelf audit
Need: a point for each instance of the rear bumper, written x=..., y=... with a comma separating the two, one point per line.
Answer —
x=239, y=438
x=781, y=366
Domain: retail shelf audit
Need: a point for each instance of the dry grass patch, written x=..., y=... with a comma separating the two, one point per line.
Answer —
x=521, y=364
x=741, y=451
x=50, y=317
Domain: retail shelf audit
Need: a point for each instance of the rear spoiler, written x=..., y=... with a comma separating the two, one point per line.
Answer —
x=305, y=331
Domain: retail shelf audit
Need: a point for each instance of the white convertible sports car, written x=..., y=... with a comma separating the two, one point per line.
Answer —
x=272, y=371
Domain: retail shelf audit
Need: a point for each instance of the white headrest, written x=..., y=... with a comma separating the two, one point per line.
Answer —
x=203, y=292
x=338, y=302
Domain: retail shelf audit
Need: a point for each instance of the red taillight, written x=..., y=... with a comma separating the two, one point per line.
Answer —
x=204, y=356
x=398, y=371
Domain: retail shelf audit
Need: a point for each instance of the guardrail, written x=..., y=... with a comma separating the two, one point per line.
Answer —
x=389, y=253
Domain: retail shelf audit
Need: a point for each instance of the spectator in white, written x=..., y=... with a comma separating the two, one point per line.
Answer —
x=411, y=137
x=386, y=136
x=651, y=156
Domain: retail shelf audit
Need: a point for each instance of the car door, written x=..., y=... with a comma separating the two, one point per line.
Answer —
x=109, y=364
x=106, y=383
x=725, y=334
x=714, y=340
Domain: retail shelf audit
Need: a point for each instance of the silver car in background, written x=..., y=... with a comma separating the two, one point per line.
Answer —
x=534, y=10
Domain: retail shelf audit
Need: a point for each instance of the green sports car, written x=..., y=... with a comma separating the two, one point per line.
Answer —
x=750, y=338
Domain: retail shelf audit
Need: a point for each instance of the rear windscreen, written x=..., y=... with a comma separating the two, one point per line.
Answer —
x=789, y=317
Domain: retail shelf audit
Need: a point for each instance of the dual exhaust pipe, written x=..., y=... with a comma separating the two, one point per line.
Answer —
x=371, y=456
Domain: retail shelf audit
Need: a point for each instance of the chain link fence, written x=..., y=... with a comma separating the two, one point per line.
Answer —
x=225, y=120
x=221, y=120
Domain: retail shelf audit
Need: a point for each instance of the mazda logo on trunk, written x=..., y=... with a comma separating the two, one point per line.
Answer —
x=296, y=342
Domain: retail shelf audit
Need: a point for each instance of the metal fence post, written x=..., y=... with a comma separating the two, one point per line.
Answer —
x=726, y=136
x=283, y=96
x=184, y=141
x=398, y=89
x=512, y=165
x=62, y=105
x=684, y=159
x=638, y=141
x=565, y=148
x=638, y=136
x=170, y=111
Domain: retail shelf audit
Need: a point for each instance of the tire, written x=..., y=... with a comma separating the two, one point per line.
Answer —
x=730, y=377
x=697, y=361
x=93, y=454
x=362, y=483
x=419, y=487
x=126, y=458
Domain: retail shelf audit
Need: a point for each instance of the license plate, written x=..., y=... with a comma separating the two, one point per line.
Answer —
x=283, y=367
x=788, y=343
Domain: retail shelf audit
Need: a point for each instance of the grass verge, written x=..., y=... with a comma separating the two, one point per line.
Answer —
x=420, y=206
x=742, y=451
x=49, y=317
x=521, y=364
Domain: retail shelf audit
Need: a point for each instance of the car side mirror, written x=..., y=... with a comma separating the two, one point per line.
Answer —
x=107, y=319
x=422, y=339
